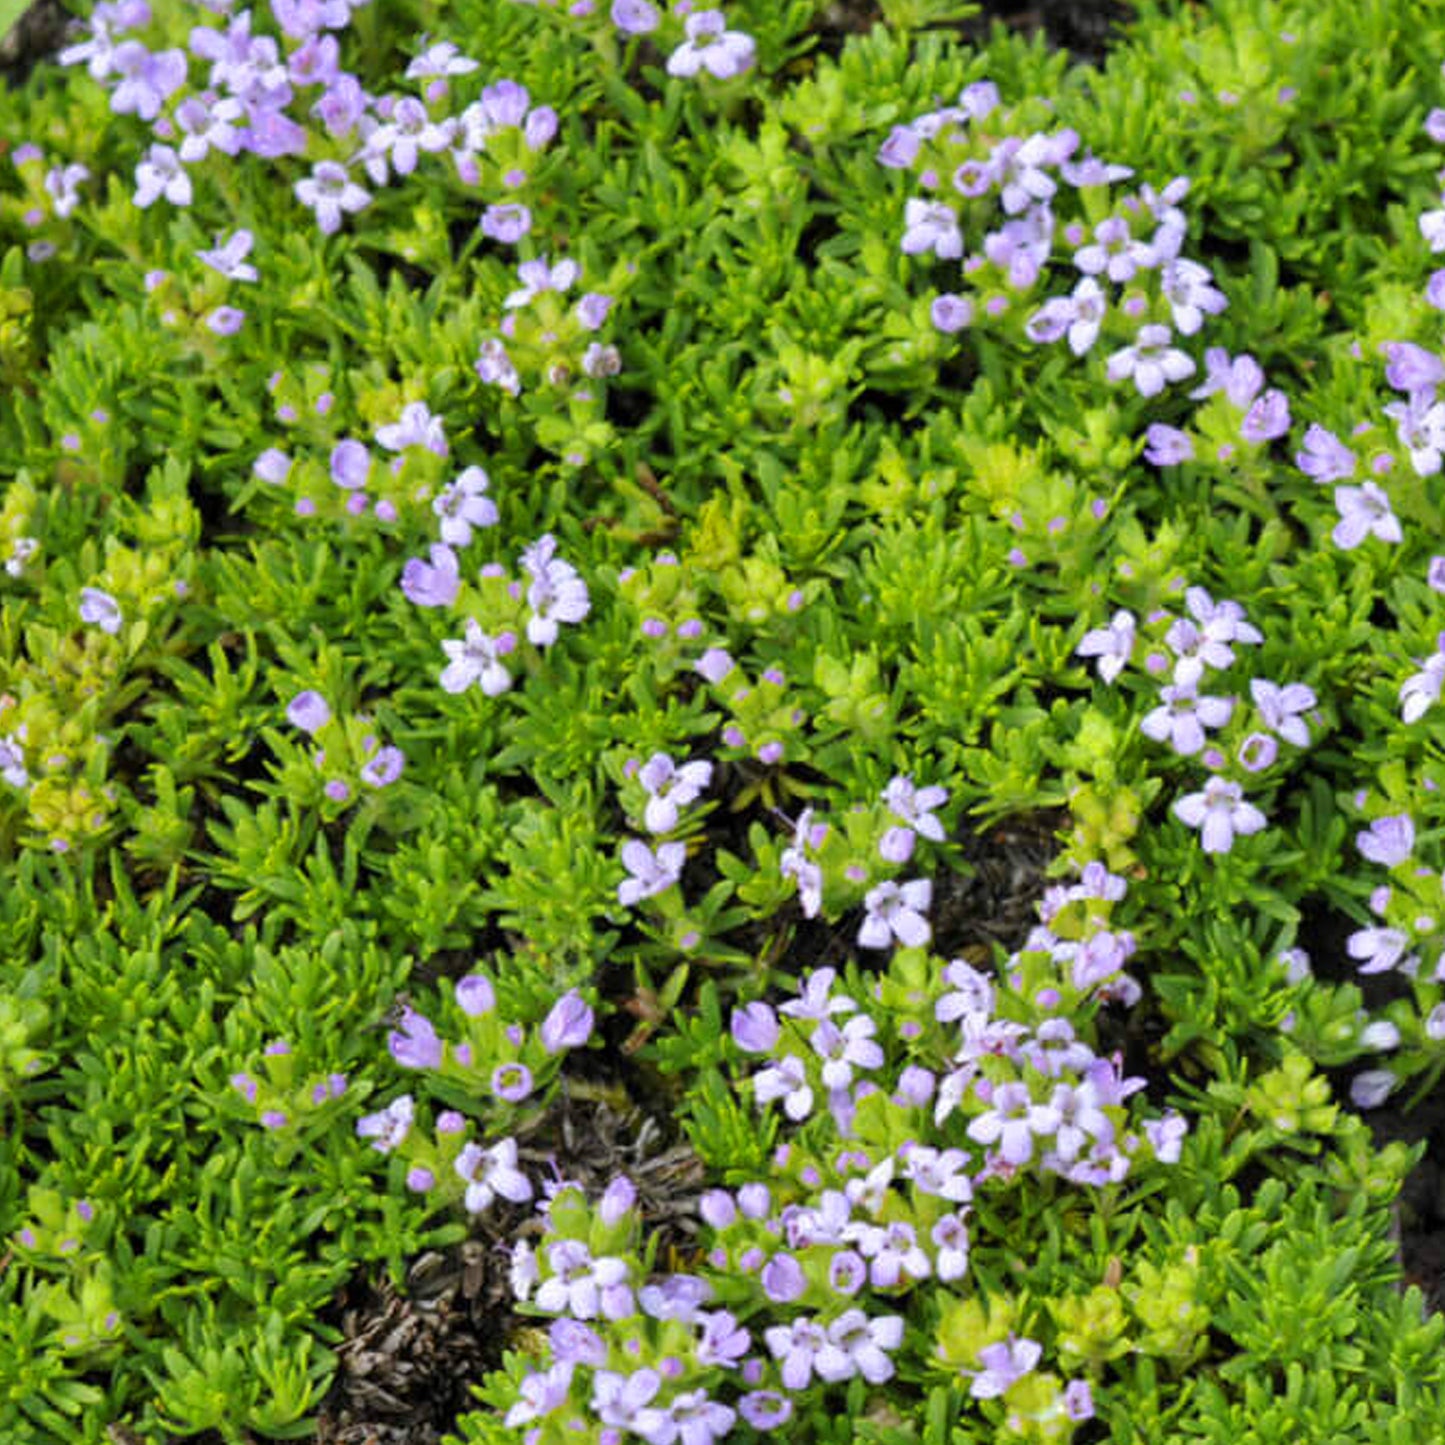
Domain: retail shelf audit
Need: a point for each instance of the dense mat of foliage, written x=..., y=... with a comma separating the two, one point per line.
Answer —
x=543, y=544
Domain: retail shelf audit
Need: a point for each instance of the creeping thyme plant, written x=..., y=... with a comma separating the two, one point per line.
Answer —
x=549, y=550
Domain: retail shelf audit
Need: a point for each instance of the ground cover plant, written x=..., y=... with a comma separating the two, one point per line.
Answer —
x=767, y=676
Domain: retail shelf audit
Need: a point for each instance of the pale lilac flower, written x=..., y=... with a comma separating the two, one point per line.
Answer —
x=389, y=1127
x=634, y=17
x=225, y=320
x=1240, y=378
x=669, y=789
x=1020, y=166
x=541, y=1394
x=147, y=79
x=512, y=1082
x=859, y=1345
x=1078, y=1401
x=12, y=759
x=1190, y=292
x=1364, y=512
x=797, y=1346
x=817, y=1000
x=1151, y=361
x=755, y=1028
x=939, y=1173
x=786, y=1080
x=506, y=223
x=462, y=505
x=383, y=768
x=845, y=1049
x=331, y=193
x=100, y=609
x=308, y=711
x=350, y=464
x=1167, y=446
x=900, y=150
x=538, y=276
x=1220, y=812
x=1281, y=708
x=916, y=806
x=1370, y=1089
x=1003, y=1363
x=1182, y=717
x=692, y=1418
x=765, y=1410
x=972, y=993
x=950, y=313
x=1222, y=621
x=161, y=174
x=62, y=185
x=722, y=1341
x=1114, y=252
x=582, y=1286
x=1011, y=1121
x=555, y=594
x=794, y=863
x=950, y=1239
x=418, y=427
x=714, y=665
x=895, y=911
x=711, y=46
x=568, y=1024
x=494, y=367
x=1377, y=950
x=415, y=1044
x=1325, y=457
x=106, y=22
x=651, y=873
x=476, y=658
x=1388, y=841
x=931, y=226
x=490, y=1174
x=1412, y=369
x=440, y=59
x=1166, y=1136
x=1267, y=417
x=475, y=995
x=1423, y=688
x=1420, y=427
x=409, y=132
x=1112, y=645
x=433, y=584
x=1257, y=752
x=229, y=257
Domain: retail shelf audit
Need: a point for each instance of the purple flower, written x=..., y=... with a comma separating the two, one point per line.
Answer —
x=1220, y=812
x=387, y=1128
x=895, y=911
x=475, y=995
x=1325, y=457
x=783, y=1279
x=859, y=1345
x=568, y=1025
x=416, y=1045
x=1239, y=378
x=1370, y=1089
x=1280, y=707
x=506, y=223
x=755, y=1028
x=350, y=464
x=538, y=276
x=383, y=768
x=462, y=505
x=1423, y=688
x=229, y=257
x=1182, y=717
x=492, y=1173
x=714, y=665
x=670, y=788
x=842, y=1050
x=634, y=17
x=273, y=466
x=1420, y=426
x=711, y=46
x=1114, y=252
x=476, y=658
x=331, y=193
x=542, y=1393
x=651, y=873
x=512, y=1082
x=1167, y=446
x=100, y=609
x=1112, y=645
x=1191, y=294
x=786, y=1080
x=434, y=585
x=950, y=313
x=1151, y=361
x=765, y=1409
x=797, y=1346
x=931, y=227
x=555, y=594
x=1364, y=512
x=1257, y=752
x=1012, y=1121
x=308, y=711
x=417, y=427
x=1267, y=418
x=1389, y=841
x=1377, y=950
x=1003, y=1363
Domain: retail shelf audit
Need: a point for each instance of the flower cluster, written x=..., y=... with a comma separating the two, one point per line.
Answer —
x=550, y=350
x=1185, y=717
x=495, y=1069
x=349, y=755
x=1009, y=203
x=280, y=1101
x=289, y=95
